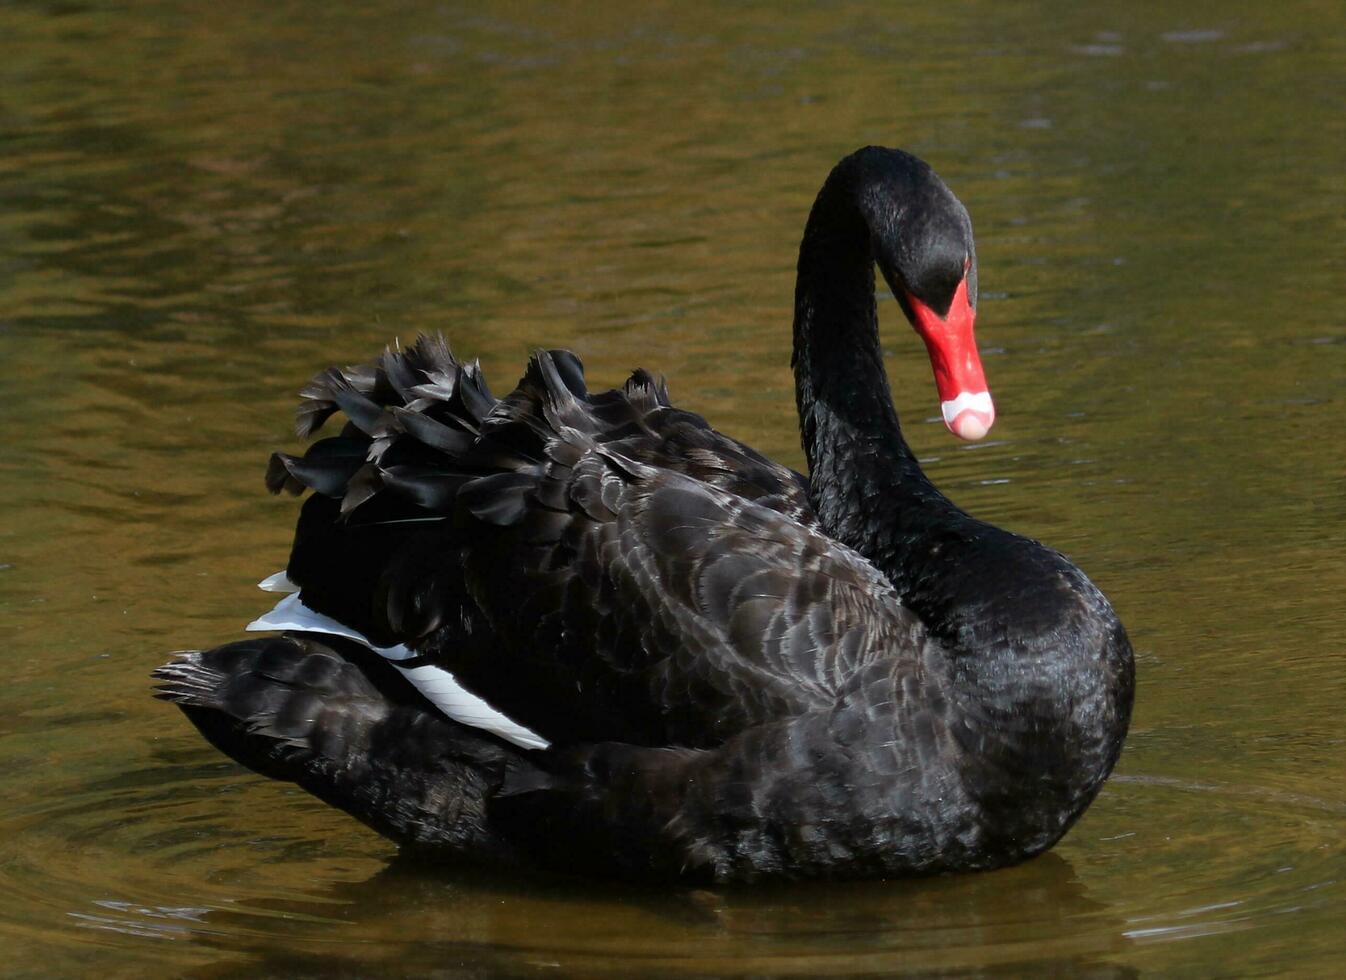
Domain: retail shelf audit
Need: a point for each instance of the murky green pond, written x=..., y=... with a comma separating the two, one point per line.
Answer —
x=203, y=204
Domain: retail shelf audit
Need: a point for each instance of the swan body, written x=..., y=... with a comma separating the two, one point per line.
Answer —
x=574, y=629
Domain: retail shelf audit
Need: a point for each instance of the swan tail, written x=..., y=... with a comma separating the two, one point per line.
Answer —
x=334, y=718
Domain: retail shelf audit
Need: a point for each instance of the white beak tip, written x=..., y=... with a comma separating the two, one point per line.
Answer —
x=970, y=415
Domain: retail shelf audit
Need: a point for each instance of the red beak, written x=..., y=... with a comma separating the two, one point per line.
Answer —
x=964, y=399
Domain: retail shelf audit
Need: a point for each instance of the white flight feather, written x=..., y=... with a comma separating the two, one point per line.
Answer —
x=438, y=685
x=279, y=582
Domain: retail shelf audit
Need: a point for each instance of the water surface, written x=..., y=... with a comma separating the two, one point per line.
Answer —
x=202, y=205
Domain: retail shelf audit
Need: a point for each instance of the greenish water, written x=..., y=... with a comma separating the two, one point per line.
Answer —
x=202, y=205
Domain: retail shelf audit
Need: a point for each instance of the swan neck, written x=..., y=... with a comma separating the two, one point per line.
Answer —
x=859, y=463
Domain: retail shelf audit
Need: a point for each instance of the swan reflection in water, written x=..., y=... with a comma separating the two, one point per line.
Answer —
x=484, y=923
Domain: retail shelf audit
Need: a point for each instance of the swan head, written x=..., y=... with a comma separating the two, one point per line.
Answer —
x=922, y=240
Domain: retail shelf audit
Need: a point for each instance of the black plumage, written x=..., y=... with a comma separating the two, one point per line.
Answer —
x=739, y=672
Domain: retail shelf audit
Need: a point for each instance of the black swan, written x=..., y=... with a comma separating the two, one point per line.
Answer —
x=588, y=632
